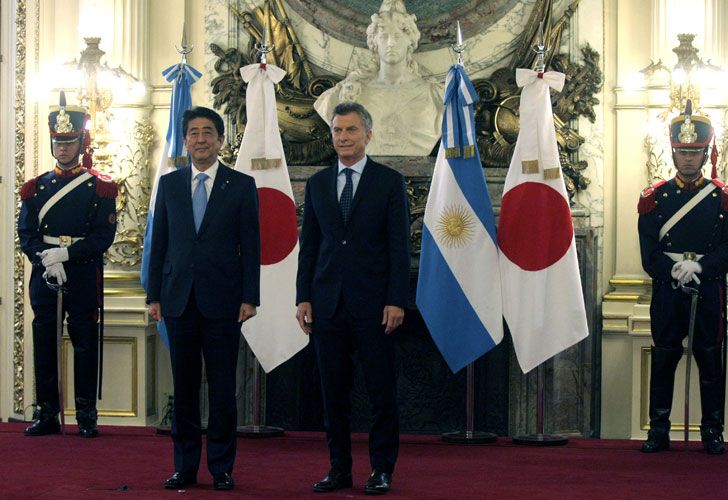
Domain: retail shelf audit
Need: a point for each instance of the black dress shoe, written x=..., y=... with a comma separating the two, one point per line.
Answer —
x=179, y=481
x=378, y=483
x=333, y=481
x=223, y=482
x=88, y=430
x=656, y=441
x=44, y=427
x=713, y=442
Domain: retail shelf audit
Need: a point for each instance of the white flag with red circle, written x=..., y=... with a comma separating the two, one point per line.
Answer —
x=273, y=334
x=543, y=303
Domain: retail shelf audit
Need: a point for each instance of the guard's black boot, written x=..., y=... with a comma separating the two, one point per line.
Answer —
x=657, y=440
x=84, y=335
x=711, y=398
x=712, y=441
x=86, y=416
x=662, y=380
x=45, y=423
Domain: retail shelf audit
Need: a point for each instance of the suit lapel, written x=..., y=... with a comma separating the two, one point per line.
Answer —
x=333, y=195
x=368, y=176
x=186, y=190
x=217, y=195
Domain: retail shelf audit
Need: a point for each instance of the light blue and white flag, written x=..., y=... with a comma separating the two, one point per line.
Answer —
x=459, y=289
x=174, y=155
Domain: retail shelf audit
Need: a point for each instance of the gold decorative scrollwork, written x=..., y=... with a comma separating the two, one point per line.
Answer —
x=18, y=257
x=417, y=191
x=305, y=136
x=657, y=168
x=132, y=205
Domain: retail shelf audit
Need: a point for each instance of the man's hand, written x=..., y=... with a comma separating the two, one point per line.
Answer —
x=57, y=272
x=304, y=315
x=155, y=311
x=393, y=317
x=688, y=270
x=247, y=311
x=53, y=256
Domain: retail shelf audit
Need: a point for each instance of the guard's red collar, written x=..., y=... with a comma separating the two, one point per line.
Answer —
x=71, y=172
x=689, y=185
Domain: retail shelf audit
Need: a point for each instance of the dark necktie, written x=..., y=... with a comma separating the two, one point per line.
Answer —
x=199, y=200
x=346, y=196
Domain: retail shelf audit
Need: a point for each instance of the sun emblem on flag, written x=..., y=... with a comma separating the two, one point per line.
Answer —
x=455, y=226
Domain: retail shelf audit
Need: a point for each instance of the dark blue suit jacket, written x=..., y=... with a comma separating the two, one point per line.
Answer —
x=365, y=262
x=222, y=262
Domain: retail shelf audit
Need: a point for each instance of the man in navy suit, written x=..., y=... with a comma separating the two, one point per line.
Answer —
x=204, y=280
x=352, y=287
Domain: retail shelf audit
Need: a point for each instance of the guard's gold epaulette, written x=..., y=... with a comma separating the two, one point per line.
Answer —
x=105, y=185
x=27, y=190
x=648, y=199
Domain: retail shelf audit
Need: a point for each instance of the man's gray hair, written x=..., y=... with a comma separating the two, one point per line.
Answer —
x=344, y=108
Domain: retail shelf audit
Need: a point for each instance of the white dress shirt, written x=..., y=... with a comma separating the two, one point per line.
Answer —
x=358, y=168
x=210, y=172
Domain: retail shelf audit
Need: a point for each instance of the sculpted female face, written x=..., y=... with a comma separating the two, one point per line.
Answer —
x=393, y=37
x=392, y=42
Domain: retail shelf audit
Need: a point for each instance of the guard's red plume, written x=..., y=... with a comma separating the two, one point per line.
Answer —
x=714, y=161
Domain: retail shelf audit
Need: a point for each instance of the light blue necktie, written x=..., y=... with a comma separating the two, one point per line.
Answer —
x=199, y=200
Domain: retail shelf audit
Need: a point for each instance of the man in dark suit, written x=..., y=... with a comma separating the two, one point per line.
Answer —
x=353, y=278
x=204, y=279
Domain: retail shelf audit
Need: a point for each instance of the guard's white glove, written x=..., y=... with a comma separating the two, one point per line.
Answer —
x=55, y=271
x=675, y=270
x=54, y=256
x=687, y=272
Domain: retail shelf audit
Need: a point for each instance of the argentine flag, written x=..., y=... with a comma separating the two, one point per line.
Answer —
x=174, y=155
x=459, y=288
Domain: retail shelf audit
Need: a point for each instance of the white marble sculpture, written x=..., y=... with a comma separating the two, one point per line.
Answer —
x=406, y=107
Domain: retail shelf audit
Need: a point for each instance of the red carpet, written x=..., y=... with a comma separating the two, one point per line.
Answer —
x=134, y=462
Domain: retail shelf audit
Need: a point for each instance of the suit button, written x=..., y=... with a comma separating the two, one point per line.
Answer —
x=343, y=242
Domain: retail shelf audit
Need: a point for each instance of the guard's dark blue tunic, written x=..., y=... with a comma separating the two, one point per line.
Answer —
x=702, y=230
x=88, y=214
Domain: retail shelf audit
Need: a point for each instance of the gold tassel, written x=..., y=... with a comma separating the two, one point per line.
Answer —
x=529, y=166
x=452, y=153
x=177, y=161
x=264, y=163
x=551, y=173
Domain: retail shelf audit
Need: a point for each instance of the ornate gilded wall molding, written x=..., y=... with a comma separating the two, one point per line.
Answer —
x=657, y=167
x=130, y=170
x=18, y=256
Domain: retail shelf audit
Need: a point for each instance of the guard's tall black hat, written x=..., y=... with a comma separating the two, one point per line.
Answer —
x=689, y=131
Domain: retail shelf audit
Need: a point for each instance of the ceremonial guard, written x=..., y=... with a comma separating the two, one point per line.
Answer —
x=683, y=230
x=67, y=221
